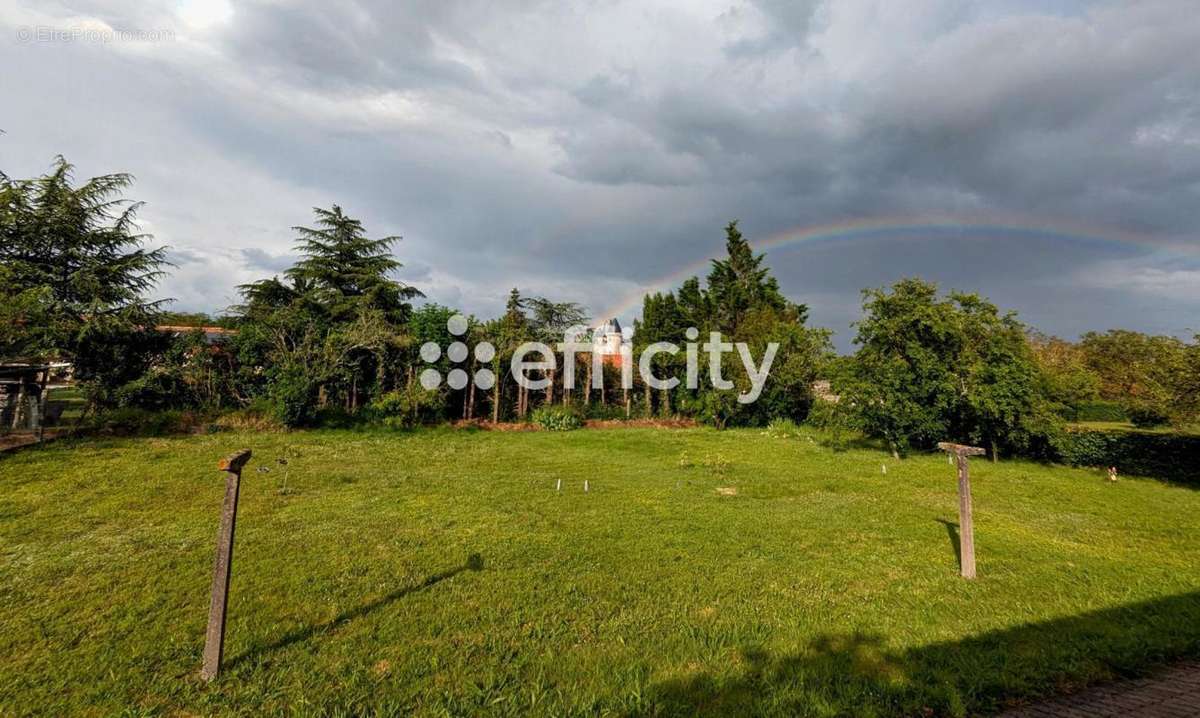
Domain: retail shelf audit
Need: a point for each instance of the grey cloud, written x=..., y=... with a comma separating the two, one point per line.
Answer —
x=414, y=272
x=179, y=257
x=585, y=152
x=330, y=45
x=258, y=259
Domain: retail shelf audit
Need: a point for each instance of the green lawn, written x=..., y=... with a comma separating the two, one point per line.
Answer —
x=440, y=573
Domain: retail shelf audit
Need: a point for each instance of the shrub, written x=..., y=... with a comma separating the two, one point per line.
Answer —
x=1097, y=411
x=1165, y=456
x=293, y=396
x=603, y=412
x=1146, y=416
x=831, y=415
x=715, y=408
x=155, y=391
x=557, y=418
x=836, y=418
x=407, y=408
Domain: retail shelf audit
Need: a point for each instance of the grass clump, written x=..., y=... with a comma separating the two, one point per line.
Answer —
x=557, y=418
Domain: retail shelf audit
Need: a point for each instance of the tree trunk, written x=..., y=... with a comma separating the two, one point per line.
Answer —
x=627, y=404
x=995, y=452
x=566, y=393
x=587, y=383
x=496, y=395
x=666, y=402
x=471, y=391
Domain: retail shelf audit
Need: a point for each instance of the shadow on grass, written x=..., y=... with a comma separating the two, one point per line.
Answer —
x=955, y=541
x=860, y=674
x=849, y=441
x=473, y=563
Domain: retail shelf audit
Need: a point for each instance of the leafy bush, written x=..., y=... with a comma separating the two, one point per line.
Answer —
x=1165, y=456
x=407, y=408
x=1146, y=416
x=557, y=418
x=603, y=412
x=837, y=418
x=831, y=415
x=715, y=408
x=155, y=391
x=1097, y=411
x=293, y=396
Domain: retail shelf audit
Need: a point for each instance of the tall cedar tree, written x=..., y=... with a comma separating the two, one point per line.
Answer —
x=80, y=242
x=78, y=249
x=349, y=271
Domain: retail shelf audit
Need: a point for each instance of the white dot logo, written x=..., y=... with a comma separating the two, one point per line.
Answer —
x=457, y=353
x=430, y=379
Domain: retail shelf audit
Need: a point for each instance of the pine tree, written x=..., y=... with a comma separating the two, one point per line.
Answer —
x=74, y=254
x=80, y=242
x=349, y=271
x=740, y=283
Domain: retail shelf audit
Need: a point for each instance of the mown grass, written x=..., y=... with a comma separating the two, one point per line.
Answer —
x=440, y=573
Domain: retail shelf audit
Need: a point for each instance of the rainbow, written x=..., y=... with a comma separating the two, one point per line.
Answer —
x=937, y=227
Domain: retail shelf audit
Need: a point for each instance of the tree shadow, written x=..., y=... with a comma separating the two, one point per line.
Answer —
x=776, y=685
x=860, y=674
x=955, y=541
x=849, y=441
x=473, y=563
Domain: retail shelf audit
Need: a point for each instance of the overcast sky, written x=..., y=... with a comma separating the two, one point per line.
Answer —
x=582, y=150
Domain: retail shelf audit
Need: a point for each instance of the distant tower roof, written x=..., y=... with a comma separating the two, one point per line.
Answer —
x=612, y=326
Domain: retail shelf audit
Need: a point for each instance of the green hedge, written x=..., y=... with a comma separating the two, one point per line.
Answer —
x=1098, y=411
x=1164, y=456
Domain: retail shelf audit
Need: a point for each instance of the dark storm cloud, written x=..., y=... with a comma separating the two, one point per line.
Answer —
x=581, y=150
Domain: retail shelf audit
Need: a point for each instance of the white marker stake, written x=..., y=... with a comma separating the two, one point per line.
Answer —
x=558, y=486
x=884, y=467
x=585, y=486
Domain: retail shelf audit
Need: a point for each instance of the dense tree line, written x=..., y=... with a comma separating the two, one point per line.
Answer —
x=337, y=338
